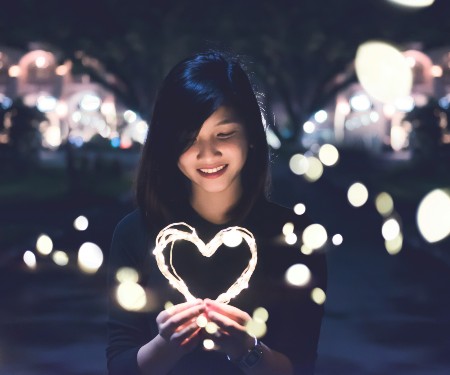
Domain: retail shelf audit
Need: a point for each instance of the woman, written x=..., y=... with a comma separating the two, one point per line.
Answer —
x=205, y=163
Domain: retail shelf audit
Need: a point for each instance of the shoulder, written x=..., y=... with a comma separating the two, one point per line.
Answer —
x=132, y=226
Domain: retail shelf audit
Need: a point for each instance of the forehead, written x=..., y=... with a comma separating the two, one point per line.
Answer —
x=222, y=116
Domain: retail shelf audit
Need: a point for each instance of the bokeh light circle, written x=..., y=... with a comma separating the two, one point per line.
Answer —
x=328, y=155
x=433, y=215
x=314, y=236
x=384, y=204
x=131, y=296
x=298, y=164
x=383, y=71
x=315, y=169
x=298, y=275
x=357, y=194
x=90, y=257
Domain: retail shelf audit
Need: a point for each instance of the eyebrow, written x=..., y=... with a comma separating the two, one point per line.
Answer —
x=228, y=121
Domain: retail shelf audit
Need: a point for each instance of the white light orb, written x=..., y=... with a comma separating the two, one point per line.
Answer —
x=328, y=155
x=291, y=238
x=337, y=239
x=357, y=194
x=81, y=223
x=321, y=116
x=256, y=328
x=314, y=236
x=413, y=3
x=299, y=209
x=90, y=257
x=309, y=127
x=208, y=344
x=232, y=238
x=383, y=71
x=298, y=275
x=360, y=102
x=298, y=164
x=390, y=229
x=433, y=215
x=29, y=259
x=201, y=321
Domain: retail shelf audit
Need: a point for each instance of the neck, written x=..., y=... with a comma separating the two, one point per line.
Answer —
x=214, y=207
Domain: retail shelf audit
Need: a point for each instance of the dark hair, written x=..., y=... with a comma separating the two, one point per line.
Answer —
x=194, y=89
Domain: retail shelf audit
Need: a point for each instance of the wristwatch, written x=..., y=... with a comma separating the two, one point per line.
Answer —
x=252, y=357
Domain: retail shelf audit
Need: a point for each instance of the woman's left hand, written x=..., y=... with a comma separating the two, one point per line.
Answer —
x=232, y=337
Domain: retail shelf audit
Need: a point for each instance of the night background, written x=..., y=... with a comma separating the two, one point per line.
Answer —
x=356, y=97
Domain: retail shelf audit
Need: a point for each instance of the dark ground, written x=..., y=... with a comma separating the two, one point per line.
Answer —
x=384, y=314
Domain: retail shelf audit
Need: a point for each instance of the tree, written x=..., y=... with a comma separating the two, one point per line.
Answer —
x=302, y=51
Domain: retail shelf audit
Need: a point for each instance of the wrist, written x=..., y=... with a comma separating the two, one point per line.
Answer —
x=251, y=357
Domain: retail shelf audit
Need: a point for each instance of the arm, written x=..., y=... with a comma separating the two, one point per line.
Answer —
x=178, y=335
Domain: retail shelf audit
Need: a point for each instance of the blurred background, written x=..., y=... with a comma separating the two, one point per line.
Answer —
x=357, y=105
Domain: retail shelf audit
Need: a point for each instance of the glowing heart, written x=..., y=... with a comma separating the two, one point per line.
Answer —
x=231, y=237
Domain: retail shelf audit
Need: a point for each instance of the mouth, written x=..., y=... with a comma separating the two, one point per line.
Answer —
x=213, y=172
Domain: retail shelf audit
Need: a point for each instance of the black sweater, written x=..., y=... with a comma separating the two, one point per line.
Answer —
x=294, y=320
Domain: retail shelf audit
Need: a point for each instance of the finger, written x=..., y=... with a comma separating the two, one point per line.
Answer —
x=226, y=324
x=230, y=311
x=173, y=310
x=180, y=319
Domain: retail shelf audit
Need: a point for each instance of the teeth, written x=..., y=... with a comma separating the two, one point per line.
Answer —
x=213, y=170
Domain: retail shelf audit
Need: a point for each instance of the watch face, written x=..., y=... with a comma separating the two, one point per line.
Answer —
x=252, y=358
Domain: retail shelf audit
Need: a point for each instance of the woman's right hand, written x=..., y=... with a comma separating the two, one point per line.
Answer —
x=177, y=325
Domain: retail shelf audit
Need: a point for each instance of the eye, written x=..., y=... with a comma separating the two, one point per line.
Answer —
x=225, y=135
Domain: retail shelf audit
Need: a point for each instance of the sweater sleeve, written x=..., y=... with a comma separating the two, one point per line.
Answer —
x=127, y=330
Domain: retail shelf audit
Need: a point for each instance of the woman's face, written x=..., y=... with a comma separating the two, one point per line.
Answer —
x=214, y=161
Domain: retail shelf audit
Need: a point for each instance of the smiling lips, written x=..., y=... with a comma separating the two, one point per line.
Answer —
x=213, y=172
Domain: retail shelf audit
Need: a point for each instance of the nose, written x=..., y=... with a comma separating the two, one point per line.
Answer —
x=207, y=150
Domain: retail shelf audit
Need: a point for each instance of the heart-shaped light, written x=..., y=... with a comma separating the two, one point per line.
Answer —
x=231, y=236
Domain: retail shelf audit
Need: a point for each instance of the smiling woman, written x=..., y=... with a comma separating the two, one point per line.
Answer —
x=204, y=167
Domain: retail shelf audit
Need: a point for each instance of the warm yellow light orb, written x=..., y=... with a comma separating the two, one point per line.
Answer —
x=131, y=296
x=261, y=314
x=318, y=296
x=60, y=258
x=384, y=204
x=315, y=169
x=394, y=246
x=127, y=274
